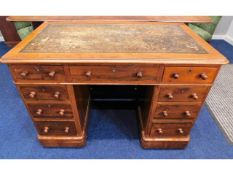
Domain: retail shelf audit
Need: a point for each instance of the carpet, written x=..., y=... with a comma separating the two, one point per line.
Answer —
x=224, y=47
x=220, y=100
x=111, y=133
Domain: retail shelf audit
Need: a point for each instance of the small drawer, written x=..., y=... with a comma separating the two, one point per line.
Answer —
x=44, y=73
x=181, y=93
x=126, y=74
x=56, y=128
x=175, y=111
x=36, y=93
x=45, y=111
x=189, y=75
x=170, y=129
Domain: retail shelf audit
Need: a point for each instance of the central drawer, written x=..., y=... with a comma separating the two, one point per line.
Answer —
x=127, y=74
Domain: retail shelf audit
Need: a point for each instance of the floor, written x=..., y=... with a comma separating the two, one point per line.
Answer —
x=111, y=133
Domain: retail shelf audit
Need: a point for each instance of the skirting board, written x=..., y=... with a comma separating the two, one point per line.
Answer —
x=224, y=37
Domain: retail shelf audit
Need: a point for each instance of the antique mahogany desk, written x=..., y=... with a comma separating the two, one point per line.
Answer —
x=55, y=66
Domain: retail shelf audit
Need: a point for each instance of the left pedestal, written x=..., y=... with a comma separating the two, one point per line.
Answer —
x=59, y=111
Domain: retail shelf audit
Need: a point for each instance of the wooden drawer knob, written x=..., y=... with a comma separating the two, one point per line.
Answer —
x=194, y=96
x=67, y=129
x=62, y=112
x=165, y=114
x=187, y=113
x=52, y=74
x=57, y=94
x=139, y=74
x=180, y=131
x=170, y=96
x=24, y=74
x=159, y=131
x=46, y=129
x=88, y=74
x=39, y=111
x=203, y=76
x=32, y=94
x=175, y=75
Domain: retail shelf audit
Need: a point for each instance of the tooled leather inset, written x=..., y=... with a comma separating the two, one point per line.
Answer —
x=113, y=38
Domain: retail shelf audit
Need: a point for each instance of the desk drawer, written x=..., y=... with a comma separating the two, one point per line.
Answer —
x=183, y=93
x=44, y=93
x=205, y=75
x=37, y=73
x=56, y=128
x=50, y=110
x=171, y=129
x=176, y=111
x=135, y=74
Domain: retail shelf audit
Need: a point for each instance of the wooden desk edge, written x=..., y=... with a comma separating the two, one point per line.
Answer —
x=180, y=19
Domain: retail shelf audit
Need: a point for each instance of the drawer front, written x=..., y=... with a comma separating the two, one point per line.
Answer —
x=174, y=111
x=171, y=129
x=138, y=74
x=56, y=128
x=189, y=74
x=29, y=73
x=35, y=93
x=183, y=93
x=50, y=110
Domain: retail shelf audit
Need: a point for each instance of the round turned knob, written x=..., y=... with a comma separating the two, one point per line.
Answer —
x=39, y=111
x=203, y=76
x=57, y=94
x=67, y=129
x=88, y=74
x=159, y=131
x=165, y=114
x=24, y=74
x=175, y=75
x=170, y=96
x=187, y=113
x=52, y=74
x=62, y=112
x=194, y=96
x=139, y=74
x=180, y=131
x=32, y=94
x=46, y=129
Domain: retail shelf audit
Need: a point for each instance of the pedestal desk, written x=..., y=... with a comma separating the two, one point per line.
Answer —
x=55, y=66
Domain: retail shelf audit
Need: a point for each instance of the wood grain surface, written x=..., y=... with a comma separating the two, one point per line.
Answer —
x=152, y=45
x=185, y=19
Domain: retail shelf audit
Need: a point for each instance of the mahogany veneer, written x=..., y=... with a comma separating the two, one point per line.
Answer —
x=54, y=65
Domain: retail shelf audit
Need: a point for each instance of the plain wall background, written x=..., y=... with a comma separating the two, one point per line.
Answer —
x=224, y=29
x=230, y=30
x=223, y=25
